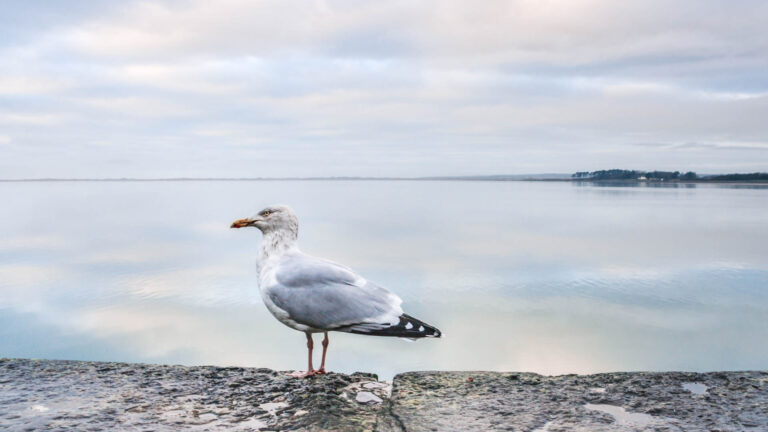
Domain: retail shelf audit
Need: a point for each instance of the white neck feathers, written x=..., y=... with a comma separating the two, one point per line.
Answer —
x=277, y=242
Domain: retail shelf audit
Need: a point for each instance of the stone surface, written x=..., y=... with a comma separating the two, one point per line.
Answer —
x=365, y=397
x=66, y=395
x=637, y=401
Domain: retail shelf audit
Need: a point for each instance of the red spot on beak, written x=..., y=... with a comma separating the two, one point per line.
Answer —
x=240, y=223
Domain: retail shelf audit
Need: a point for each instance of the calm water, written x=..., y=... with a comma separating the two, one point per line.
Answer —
x=544, y=277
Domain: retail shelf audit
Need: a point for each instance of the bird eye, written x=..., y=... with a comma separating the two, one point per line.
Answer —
x=266, y=213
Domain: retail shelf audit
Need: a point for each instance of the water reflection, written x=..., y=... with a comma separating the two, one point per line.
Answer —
x=667, y=185
x=531, y=276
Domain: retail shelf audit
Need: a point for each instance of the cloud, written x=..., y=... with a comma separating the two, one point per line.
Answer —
x=289, y=88
x=27, y=276
x=32, y=242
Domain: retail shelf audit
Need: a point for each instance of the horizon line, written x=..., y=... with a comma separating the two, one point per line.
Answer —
x=497, y=177
x=442, y=177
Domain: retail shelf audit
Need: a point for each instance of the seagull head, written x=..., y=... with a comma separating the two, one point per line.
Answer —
x=271, y=219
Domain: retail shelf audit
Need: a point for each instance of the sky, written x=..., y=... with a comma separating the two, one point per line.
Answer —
x=245, y=88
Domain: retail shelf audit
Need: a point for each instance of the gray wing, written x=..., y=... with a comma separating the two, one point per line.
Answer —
x=325, y=295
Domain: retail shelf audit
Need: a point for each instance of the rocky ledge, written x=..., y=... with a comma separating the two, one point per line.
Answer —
x=67, y=395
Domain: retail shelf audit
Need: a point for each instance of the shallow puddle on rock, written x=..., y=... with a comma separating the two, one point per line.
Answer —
x=208, y=417
x=252, y=424
x=695, y=388
x=365, y=397
x=622, y=416
x=273, y=407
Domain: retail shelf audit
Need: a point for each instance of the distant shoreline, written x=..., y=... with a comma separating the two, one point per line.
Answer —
x=457, y=178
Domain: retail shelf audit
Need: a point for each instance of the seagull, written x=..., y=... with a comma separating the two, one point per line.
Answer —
x=315, y=295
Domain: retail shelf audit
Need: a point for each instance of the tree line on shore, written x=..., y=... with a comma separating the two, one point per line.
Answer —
x=620, y=174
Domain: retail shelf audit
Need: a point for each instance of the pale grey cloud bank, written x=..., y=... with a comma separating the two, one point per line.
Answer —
x=295, y=88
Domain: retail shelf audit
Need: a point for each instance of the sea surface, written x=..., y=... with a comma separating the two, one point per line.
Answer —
x=547, y=277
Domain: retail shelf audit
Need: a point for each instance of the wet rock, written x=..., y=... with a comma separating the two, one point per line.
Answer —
x=365, y=397
x=638, y=401
x=45, y=395
x=66, y=395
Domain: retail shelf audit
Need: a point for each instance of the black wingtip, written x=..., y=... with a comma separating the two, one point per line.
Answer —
x=420, y=326
x=407, y=327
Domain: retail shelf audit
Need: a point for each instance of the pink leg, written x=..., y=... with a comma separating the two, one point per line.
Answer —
x=322, y=362
x=310, y=370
